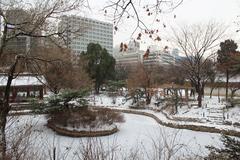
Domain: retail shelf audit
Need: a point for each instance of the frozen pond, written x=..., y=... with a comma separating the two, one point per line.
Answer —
x=137, y=135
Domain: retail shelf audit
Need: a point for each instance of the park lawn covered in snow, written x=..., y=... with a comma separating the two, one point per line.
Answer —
x=211, y=108
x=137, y=134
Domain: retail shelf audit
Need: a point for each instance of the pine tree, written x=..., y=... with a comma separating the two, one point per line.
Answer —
x=101, y=65
x=228, y=49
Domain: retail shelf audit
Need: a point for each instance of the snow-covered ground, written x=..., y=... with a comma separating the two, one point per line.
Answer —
x=137, y=134
x=104, y=100
x=211, y=108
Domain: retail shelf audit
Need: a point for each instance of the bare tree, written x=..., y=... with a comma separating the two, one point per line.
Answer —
x=197, y=43
x=65, y=73
x=34, y=19
x=144, y=78
x=125, y=9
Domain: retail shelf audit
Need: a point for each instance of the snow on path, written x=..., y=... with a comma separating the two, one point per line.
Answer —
x=137, y=132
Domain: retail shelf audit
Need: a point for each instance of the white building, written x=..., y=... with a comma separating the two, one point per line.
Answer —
x=159, y=56
x=156, y=56
x=81, y=31
x=131, y=57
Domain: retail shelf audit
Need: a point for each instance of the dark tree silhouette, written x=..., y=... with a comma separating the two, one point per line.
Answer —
x=225, y=54
x=100, y=64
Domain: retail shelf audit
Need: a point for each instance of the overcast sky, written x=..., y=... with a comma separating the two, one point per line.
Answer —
x=189, y=12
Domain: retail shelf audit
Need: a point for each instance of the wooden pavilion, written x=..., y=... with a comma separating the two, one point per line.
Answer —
x=23, y=87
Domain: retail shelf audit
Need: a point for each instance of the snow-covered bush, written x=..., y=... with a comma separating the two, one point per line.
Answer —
x=85, y=118
x=67, y=99
x=107, y=116
x=230, y=151
x=67, y=96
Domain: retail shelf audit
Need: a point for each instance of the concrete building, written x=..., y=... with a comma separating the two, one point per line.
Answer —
x=21, y=43
x=131, y=57
x=158, y=56
x=81, y=31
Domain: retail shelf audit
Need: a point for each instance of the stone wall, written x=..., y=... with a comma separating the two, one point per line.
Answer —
x=65, y=132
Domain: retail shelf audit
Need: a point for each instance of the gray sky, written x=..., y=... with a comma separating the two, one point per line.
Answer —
x=190, y=12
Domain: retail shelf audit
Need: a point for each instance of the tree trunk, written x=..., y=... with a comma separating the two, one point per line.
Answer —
x=97, y=88
x=199, y=98
x=148, y=97
x=3, y=145
x=148, y=100
x=4, y=109
x=199, y=89
x=203, y=93
x=218, y=95
x=176, y=101
x=227, y=81
x=211, y=92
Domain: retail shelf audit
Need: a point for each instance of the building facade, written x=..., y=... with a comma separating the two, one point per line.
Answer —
x=156, y=56
x=130, y=57
x=21, y=43
x=159, y=56
x=81, y=31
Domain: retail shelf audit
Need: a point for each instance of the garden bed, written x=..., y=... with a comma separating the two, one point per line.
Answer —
x=94, y=132
x=85, y=122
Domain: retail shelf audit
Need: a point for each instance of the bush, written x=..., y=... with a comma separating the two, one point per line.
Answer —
x=62, y=101
x=85, y=118
x=108, y=116
x=231, y=150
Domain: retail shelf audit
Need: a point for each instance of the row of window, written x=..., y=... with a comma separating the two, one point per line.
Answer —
x=93, y=36
x=85, y=46
x=95, y=39
x=79, y=50
x=87, y=42
x=100, y=33
x=76, y=19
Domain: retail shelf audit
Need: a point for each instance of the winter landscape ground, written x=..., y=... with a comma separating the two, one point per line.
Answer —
x=139, y=135
x=119, y=80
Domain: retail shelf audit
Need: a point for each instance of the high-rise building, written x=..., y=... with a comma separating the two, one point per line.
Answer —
x=158, y=56
x=131, y=56
x=81, y=31
x=17, y=19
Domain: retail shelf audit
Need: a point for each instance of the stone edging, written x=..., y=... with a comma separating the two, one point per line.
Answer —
x=65, y=132
x=182, y=126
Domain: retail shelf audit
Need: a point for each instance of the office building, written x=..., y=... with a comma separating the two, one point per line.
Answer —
x=21, y=43
x=130, y=56
x=81, y=31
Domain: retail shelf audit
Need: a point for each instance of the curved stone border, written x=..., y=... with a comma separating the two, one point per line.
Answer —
x=181, y=126
x=65, y=132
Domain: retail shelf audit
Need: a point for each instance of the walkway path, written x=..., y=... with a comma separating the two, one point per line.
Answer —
x=162, y=119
